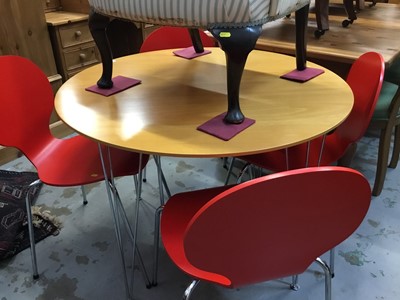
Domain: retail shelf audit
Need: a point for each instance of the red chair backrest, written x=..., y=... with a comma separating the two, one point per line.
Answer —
x=365, y=79
x=277, y=225
x=26, y=100
x=173, y=37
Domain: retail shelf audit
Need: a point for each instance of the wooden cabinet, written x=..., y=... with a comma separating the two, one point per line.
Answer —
x=23, y=32
x=73, y=45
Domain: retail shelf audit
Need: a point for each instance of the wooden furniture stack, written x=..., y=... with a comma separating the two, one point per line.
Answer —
x=73, y=45
x=23, y=31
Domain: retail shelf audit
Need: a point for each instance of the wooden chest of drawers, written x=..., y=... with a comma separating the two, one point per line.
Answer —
x=73, y=45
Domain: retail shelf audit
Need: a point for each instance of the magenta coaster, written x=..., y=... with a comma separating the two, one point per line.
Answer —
x=303, y=76
x=121, y=83
x=225, y=131
x=190, y=53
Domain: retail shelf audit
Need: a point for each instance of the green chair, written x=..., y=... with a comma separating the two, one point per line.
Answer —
x=386, y=118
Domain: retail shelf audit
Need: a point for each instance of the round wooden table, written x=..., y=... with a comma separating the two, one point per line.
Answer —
x=160, y=115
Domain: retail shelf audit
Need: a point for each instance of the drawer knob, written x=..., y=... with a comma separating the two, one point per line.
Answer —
x=82, y=56
x=78, y=33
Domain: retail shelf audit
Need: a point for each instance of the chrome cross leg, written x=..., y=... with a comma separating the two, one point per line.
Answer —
x=118, y=212
x=189, y=289
x=156, y=244
x=328, y=278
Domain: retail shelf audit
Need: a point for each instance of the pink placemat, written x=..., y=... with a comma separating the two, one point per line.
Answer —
x=190, y=53
x=121, y=83
x=303, y=76
x=218, y=128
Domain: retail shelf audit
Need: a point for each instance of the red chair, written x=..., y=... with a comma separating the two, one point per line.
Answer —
x=261, y=230
x=26, y=99
x=167, y=37
x=365, y=79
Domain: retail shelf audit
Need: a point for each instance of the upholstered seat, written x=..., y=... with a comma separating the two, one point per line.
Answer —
x=236, y=24
x=195, y=13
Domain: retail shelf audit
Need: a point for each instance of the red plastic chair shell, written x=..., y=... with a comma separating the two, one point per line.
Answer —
x=167, y=37
x=26, y=99
x=267, y=228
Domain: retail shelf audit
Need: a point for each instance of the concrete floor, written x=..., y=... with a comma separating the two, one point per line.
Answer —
x=82, y=262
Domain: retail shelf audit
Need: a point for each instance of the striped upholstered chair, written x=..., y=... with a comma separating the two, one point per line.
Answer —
x=236, y=24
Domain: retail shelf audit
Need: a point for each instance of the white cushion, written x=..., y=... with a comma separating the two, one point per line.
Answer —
x=199, y=13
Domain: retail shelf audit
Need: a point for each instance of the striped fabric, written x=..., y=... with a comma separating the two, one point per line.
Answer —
x=198, y=13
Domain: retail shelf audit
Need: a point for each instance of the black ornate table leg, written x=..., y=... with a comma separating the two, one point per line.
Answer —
x=237, y=43
x=301, y=37
x=196, y=40
x=98, y=25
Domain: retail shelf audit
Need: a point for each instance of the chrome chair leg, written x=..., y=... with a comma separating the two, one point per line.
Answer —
x=243, y=171
x=328, y=278
x=332, y=262
x=189, y=289
x=162, y=182
x=31, y=229
x=225, y=162
x=144, y=175
x=295, y=283
x=230, y=168
x=156, y=244
x=84, y=195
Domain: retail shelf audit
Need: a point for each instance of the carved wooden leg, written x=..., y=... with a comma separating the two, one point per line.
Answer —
x=196, y=40
x=237, y=43
x=383, y=158
x=97, y=25
x=301, y=37
x=124, y=38
x=396, y=148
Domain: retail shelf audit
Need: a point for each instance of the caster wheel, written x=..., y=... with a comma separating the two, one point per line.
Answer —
x=288, y=16
x=345, y=23
x=319, y=33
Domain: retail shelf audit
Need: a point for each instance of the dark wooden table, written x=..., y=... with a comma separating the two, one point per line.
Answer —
x=376, y=29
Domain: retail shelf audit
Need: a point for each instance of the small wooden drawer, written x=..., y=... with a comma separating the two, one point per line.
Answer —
x=51, y=5
x=75, y=34
x=81, y=57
